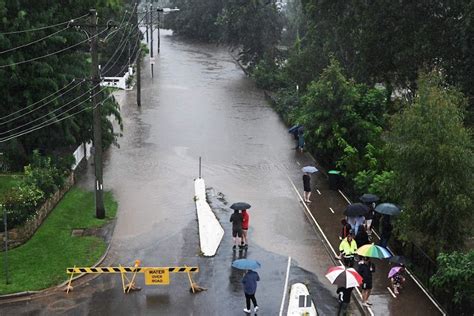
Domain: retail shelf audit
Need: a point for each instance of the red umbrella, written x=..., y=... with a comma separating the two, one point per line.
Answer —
x=344, y=277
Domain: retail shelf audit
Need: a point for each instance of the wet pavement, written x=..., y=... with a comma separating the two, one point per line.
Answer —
x=201, y=104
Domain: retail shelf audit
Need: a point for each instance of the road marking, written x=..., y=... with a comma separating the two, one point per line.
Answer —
x=285, y=289
x=344, y=197
x=318, y=191
x=312, y=217
x=391, y=292
x=298, y=163
x=331, y=210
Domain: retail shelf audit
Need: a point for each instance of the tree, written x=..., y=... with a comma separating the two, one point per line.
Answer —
x=26, y=85
x=453, y=280
x=433, y=161
x=341, y=117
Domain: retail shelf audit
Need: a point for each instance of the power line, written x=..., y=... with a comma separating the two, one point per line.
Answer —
x=54, y=120
x=45, y=115
x=121, y=46
x=44, y=27
x=53, y=53
x=33, y=104
x=41, y=106
x=35, y=41
x=2, y=140
x=117, y=59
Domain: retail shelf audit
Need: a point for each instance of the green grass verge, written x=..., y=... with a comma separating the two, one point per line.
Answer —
x=42, y=261
x=8, y=181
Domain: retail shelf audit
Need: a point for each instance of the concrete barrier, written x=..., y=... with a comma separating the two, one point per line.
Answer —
x=210, y=230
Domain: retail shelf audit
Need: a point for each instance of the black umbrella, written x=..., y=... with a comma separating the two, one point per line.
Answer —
x=388, y=209
x=240, y=206
x=356, y=209
x=398, y=259
x=369, y=198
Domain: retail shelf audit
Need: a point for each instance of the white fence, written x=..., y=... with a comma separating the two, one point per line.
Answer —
x=81, y=152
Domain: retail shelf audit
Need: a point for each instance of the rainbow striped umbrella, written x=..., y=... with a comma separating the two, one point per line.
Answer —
x=373, y=251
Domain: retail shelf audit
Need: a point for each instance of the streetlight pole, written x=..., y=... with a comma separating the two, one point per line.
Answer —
x=152, y=60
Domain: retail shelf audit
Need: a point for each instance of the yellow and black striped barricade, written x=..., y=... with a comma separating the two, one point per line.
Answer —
x=153, y=275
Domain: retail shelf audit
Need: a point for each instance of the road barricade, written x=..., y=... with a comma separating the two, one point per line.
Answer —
x=153, y=275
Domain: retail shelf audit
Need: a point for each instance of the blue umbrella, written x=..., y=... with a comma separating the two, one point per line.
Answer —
x=388, y=209
x=246, y=264
x=309, y=169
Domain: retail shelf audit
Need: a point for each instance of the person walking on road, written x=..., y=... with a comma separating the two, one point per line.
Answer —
x=245, y=228
x=365, y=270
x=369, y=217
x=355, y=222
x=386, y=231
x=250, y=287
x=344, y=298
x=301, y=138
x=345, y=230
x=348, y=248
x=306, y=187
x=362, y=238
x=236, y=219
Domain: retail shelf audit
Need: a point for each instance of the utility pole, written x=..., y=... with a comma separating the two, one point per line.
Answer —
x=99, y=193
x=158, y=30
x=146, y=20
x=152, y=60
x=139, y=59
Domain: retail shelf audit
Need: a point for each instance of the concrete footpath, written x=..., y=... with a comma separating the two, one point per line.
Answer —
x=327, y=209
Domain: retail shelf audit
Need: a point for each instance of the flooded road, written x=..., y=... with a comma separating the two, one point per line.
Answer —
x=199, y=104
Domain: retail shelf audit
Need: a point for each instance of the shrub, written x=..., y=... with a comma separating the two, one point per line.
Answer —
x=43, y=174
x=21, y=203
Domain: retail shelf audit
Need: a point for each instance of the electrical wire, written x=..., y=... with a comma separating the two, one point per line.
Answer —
x=2, y=140
x=33, y=104
x=120, y=45
x=53, y=53
x=54, y=120
x=34, y=42
x=47, y=114
x=44, y=27
x=42, y=105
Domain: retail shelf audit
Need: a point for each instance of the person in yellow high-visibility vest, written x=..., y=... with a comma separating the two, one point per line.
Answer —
x=348, y=248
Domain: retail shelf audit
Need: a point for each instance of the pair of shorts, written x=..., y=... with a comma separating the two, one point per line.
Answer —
x=366, y=286
x=237, y=232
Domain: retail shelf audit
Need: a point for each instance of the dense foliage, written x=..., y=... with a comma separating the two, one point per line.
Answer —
x=432, y=155
x=252, y=25
x=453, y=280
x=27, y=87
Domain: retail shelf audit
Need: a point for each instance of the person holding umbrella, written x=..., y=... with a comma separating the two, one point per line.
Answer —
x=346, y=279
x=236, y=220
x=307, y=182
x=249, y=281
x=365, y=269
x=396, y=276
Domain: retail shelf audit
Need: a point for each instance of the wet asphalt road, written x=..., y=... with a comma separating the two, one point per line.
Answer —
x=199, y=104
